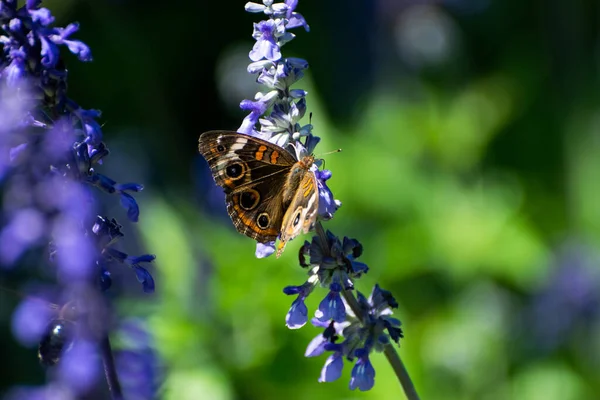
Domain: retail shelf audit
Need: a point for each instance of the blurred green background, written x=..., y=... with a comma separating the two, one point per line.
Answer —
x=470, y=172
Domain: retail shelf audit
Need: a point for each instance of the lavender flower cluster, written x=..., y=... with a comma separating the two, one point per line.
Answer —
x=51, y=147
x=364, y=323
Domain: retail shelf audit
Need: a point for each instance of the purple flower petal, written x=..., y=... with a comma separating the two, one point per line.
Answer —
x=332, y=307
x=332, y=370
x=363, y=374
x=133, y=210
x=133, y=187
x=79, y=367
x=316, y=347
x=30, y=320
x=264, y=249
x=144, y=277
x=42, y=15
x=141, y=259
x=265, y=49
x=297, y=316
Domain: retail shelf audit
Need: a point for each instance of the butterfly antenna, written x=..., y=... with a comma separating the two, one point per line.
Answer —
x=324, y=154
x=24, y=296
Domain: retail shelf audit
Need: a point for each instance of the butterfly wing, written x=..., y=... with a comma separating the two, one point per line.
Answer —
x=302, y=211
x=252, y=173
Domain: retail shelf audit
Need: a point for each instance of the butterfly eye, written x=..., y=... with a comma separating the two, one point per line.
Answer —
x=263, y=221
x=249, y=199
x=297, y=219
x=234, y=171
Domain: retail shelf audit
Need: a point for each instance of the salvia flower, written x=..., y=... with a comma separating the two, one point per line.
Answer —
x=275, y=114
x=53, y=147
x=371, y=332
x=332, y=261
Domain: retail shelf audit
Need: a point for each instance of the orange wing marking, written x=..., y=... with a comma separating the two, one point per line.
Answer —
x=261, y=152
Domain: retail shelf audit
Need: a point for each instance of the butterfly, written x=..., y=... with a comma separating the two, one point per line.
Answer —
x=269, y=192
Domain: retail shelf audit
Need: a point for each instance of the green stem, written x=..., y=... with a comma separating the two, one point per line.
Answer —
x=390, y=352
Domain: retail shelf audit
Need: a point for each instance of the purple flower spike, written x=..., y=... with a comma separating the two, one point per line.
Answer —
x=52, y=148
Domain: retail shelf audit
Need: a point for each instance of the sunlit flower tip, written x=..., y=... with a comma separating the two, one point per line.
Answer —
x=266, y=46
x=264, y=249
x=261, y=104
x=316, y=347
x=332, y=307
x=254, y=7
x=295, y=19
x=297, y=110
x=259, y=66
x=298, y=93
x=42, y=15
x=363, y=373
x=332, y=370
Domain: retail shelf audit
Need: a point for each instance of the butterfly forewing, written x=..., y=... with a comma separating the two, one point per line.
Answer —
x=265, y=185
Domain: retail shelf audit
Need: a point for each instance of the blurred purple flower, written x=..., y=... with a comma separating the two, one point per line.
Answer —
x=79, y=368
x=567, y=304
x=139, y=365
x=29, y=320
x=52, y=147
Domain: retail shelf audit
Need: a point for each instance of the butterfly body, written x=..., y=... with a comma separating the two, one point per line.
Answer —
x=269, y=192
